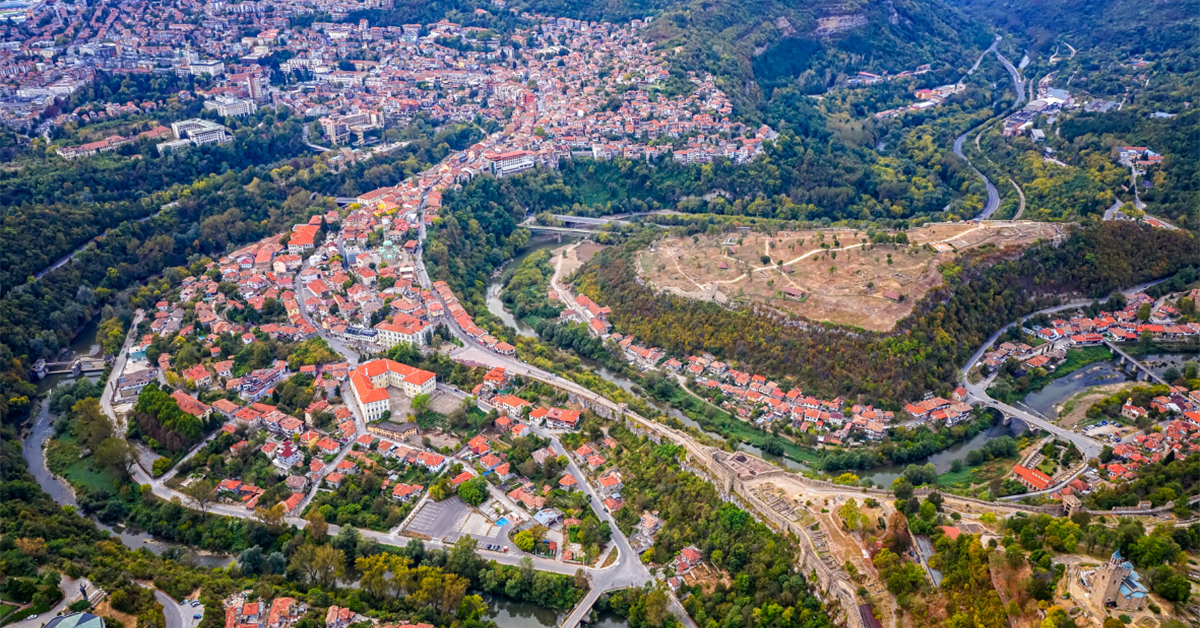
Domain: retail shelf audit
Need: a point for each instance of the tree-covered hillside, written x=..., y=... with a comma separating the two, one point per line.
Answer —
x=1137, y=27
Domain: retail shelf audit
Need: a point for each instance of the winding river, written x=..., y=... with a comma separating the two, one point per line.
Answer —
x=34, y=452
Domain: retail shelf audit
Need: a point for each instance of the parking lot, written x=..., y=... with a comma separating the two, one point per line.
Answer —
x=453, y=518
x=438, y=519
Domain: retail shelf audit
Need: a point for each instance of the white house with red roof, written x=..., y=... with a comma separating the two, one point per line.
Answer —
x=370, y=382
x=688, y=559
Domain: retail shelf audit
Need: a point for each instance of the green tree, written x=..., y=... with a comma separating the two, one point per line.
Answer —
x=474, y=491
x=523, y=540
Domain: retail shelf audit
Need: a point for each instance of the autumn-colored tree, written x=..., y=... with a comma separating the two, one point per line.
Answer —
x=272, y=517
x=201, y=493
x=317, y=529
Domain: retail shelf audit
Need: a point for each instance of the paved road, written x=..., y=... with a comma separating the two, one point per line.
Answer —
x=592, y=221
x=118, y=368
x=1111, y=212
x=178, y=615
x=993, y=195
x=305, y=133
x=70, y=590
x=991, y=48
x=1086, y=445
x=1018, y=82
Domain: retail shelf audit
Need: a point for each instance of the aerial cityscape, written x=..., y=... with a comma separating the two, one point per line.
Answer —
x=532, y=314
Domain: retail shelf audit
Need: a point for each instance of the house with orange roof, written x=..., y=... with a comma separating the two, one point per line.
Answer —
x=199, y=375
x=495, y=379
x=610, y=484
x=406, y=492
x=527, y=499
x=509, y=405
x=285, y=611
x=293, y=500
x=1032, y=478
x=479, y=445
x=191, y=405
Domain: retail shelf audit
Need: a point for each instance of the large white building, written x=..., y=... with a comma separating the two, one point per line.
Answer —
x=371, y=381
x=212, y=68
x=513, y=162
x=229, y=106
x=403, y=328
x=201, y=132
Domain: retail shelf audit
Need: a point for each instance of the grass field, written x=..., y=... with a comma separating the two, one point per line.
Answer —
x=62, y=456
x=838, y=276
x=725, y=424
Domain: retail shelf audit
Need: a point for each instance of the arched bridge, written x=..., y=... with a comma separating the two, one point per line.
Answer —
x=1143, y=371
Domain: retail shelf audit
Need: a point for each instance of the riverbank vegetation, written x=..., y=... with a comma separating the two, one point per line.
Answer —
x=905, y=444
x=527, y=289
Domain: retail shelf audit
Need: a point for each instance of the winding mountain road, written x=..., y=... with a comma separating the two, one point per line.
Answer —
x=993, y=195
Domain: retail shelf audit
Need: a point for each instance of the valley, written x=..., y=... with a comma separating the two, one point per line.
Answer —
x=654, y=314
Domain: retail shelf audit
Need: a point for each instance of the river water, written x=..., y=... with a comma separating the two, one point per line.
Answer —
x=1101, y=373
x=35, y=457
x=883, y=476
x=1041, y=402
x=495, y=304
x=508, y=613
x=1058, y=391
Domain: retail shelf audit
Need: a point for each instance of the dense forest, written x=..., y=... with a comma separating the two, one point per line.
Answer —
x=1111, y=24
x=984, y=291
x=763, y=590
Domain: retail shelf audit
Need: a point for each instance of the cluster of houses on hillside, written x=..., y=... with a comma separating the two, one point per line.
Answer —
x=1042, y=356
x=926, y=98
x=467, y=324
x=1179, y=437
x=365, y=294
x=941, y=411
x=1120, y=326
